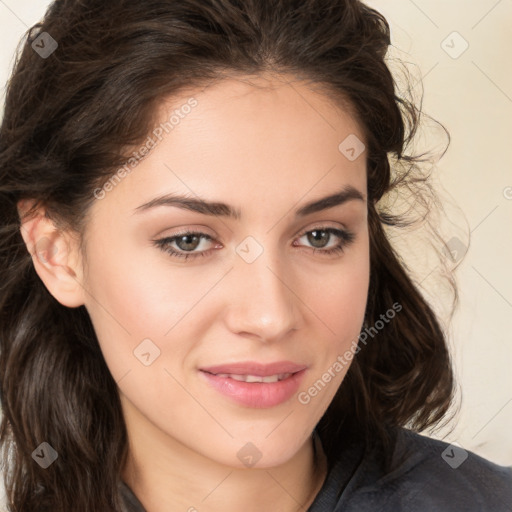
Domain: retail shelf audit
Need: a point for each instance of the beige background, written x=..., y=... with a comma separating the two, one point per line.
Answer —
x=470, y=92
x=472, y=96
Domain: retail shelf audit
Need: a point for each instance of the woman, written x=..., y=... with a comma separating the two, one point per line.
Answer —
x=210, y=315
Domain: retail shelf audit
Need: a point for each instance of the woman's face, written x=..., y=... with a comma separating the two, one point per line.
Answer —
x=259, y=294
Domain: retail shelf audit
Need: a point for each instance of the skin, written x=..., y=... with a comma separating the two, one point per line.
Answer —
x=267, y=150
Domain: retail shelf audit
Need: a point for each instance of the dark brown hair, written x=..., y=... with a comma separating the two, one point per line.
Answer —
x=68, y=121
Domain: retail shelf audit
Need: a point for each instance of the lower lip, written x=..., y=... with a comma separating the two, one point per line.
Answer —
x=256, y=394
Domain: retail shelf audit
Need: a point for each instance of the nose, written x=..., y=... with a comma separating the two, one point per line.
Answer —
x=262, y=302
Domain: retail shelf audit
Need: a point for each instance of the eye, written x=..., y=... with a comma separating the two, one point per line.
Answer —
x=186, y=243
x=321, y=236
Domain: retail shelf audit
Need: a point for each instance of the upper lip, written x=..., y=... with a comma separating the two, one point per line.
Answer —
x=257, y=369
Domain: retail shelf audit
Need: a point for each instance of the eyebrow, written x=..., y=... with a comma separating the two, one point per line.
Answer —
x=199, y=205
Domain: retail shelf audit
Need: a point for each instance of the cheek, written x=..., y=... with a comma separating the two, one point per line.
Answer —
x=338, y=299
x=131, y=302
x=343, y=295
x=341, y=307
x=338, y=295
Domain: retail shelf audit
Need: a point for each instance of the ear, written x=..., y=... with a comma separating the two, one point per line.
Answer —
x=55, y=255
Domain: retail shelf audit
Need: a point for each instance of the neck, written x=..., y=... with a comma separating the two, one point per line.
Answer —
x=183, y=480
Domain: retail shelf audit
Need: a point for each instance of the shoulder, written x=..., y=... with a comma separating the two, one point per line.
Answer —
x=447, y=475
x=129, y=502
x=432, y=475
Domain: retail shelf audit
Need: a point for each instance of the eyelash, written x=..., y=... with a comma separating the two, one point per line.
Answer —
x=164, y=243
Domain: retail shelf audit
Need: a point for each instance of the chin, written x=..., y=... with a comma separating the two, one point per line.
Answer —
x=256, y=454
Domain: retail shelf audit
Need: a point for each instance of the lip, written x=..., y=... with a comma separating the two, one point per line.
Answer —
x=254, y=368
x=259, y=395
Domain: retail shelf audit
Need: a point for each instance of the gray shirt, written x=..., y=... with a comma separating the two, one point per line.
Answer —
x=431, y=476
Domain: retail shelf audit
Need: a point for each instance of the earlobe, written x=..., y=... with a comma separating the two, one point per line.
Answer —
x=55, y=256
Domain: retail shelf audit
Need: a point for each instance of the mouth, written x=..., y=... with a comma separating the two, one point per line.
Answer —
x=255, y=369
x=254, y=378
x=256, y=385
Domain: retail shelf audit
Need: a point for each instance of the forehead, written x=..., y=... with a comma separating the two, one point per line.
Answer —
x=260, y=136
x=268, y=102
